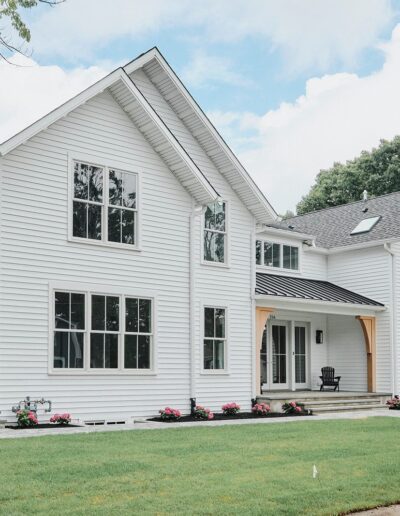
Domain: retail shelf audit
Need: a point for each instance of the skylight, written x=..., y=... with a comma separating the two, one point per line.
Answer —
x=365, y=225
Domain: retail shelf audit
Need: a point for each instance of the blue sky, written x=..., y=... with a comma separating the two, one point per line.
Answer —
x=287, y=83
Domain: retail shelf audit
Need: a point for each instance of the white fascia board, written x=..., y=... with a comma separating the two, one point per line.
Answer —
x=286, y=233
x=213, y=194
x=57, y=113
x=363, y=245
x=323, y=307
x=156, y=54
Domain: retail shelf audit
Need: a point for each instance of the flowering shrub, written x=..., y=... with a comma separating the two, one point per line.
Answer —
x=291, y=408
x=230, y=409
x=61, y=419
x=394, y=403
x=261, y=409
x=170, y=414
x=201, y=412
x=26, y=418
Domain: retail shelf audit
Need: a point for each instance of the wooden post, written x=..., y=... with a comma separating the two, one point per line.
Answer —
x=262, y=315
x=368, y=325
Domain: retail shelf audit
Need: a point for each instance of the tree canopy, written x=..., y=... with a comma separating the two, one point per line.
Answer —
x=377, y=171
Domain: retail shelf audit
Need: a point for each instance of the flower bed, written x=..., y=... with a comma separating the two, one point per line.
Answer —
x=41, y=426
x=394, y=403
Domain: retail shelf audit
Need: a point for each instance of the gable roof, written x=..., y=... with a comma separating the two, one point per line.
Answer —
x=159, y=134
x=308, y=289
x=332, y=227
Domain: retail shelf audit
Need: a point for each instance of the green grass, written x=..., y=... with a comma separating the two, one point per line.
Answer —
x=243, y=469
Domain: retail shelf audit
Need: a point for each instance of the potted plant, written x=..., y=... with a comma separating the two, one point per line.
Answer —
x=261, y=409
x=61, y=419
x=26, y=418
x=169, y=414
x=201, y=412
x=230, y=409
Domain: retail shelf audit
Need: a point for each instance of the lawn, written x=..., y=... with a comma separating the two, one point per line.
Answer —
x=241, y=469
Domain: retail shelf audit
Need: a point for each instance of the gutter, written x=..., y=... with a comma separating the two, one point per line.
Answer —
x=253, y=346
x=393, y=339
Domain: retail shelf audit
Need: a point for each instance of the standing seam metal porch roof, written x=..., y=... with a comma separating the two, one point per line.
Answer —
x=314, y=290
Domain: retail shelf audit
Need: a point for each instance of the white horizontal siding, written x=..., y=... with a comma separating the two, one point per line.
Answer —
x=367, y=272
x=396, y=286
x=314, y=265
x=34, y=251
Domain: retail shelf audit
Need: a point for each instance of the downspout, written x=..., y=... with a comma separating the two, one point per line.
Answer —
x=192, y=300
x=253, y=346
x=393, y=332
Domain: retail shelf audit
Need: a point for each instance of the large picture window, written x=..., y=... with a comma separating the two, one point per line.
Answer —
x=214, y=338
x=105, y=204
x=272, y=254
x=95, y=332
x=215, y=233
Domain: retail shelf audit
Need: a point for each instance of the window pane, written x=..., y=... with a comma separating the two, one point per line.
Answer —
x=209, y=322
x=220, y=322
x=79, y=219
x=78, y=311
x=95, y=184
x=61, y=310
x=209, y=246
x=127, y=227
x=208, y=354
x=268, y=254
x=295, y=258
x=114, y=224
x=60, y=349
x=129, y=190
x=258, y=252
x=97, y=350
x=131, y=314
x=112, y=322
x=98, y=313
x=276, y=255
x=220, y=216
x=145, y=315
x=111, y=351
x=144, y=352
x=219, y=247
x=94, y=221
x=115, y=188
x=76, y=350
x=80, y=181
x=218, y=354
x=130, y=361
x=209, y=217
x=286, y=256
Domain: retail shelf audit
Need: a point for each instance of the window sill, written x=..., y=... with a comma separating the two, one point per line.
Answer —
x=100, y=243
x=215, y=264
x=278, y=270
x=101, y=373
x=214, y=373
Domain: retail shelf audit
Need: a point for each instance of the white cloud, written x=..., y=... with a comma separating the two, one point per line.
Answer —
x=307, y=32
x=30, y=91
x=204, y=69
x=337, y=117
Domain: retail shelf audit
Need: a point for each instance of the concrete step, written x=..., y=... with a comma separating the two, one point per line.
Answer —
x=347, y=401
x=344, y=408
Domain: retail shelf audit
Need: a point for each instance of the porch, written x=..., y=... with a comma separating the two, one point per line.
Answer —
x=304, y=325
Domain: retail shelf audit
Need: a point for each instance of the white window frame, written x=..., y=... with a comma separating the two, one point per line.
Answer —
x=106, y=165
x=227, y=254
x=122, y=294
x=225, y=370
x=281, y=243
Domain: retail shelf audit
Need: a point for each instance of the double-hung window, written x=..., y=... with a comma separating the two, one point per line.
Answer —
x=214, y=338
x=105, y=204
x=215, y=233
x=100, y=332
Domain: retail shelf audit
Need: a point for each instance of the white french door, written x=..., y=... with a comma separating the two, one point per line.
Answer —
x=284, y=356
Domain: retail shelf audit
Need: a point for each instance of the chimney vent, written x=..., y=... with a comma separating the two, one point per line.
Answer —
x=365, y=195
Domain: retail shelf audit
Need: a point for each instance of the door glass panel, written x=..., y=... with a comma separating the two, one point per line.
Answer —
x=278, y=354
x=263, y=358
x=300, y=354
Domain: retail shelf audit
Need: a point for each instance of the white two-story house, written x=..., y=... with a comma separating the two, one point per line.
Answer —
x=141, y=266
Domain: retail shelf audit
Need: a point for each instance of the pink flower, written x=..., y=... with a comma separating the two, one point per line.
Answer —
x=298, y=409
x=210, y=416
x=292, y=403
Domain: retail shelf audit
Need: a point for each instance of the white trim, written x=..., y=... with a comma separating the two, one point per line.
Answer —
x=226, y=369
x=89, y=290
x=279, y=270
x=284, y=233
x=106, y=165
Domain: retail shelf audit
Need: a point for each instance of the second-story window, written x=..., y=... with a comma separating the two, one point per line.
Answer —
x=215, y=233
x=272, y=254
x=104, y=204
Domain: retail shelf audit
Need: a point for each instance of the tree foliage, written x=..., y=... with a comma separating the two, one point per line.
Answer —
x=377, y=171
x=10, y=10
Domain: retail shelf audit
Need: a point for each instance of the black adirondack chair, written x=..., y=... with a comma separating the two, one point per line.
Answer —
x=329, y=379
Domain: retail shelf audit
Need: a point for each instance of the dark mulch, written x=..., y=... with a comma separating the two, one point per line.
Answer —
x=241, y=415
x=42, y=425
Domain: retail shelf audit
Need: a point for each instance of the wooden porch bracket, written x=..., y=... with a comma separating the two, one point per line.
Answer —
x=368, y=325
x=262, y=316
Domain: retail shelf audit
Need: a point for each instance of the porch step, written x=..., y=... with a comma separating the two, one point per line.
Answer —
x=344, y=408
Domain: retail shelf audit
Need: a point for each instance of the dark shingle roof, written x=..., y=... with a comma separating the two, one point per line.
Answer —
x=314, y=290
x=332, y=226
